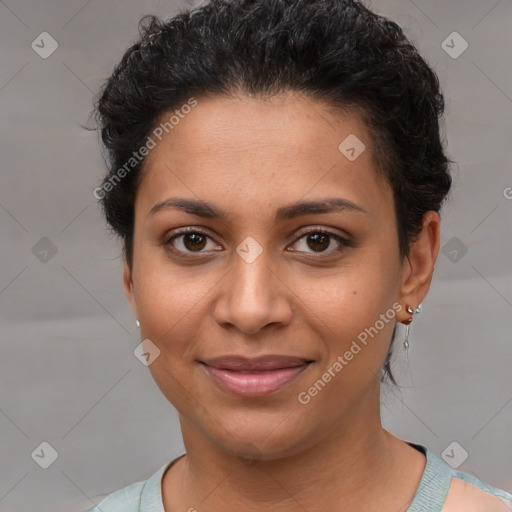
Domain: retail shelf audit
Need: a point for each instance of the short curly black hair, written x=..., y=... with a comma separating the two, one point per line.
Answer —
x=337, y=51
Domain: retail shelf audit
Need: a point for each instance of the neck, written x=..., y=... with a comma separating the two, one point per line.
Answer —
x=355, y=464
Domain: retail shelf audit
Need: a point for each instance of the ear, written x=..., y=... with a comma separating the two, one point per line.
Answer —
x=128, y=285
x=418, y=267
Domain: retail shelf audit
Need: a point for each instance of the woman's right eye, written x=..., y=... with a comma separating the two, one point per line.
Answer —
x=189, y=241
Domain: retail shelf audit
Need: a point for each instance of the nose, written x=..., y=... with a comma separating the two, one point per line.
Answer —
x=253, y=296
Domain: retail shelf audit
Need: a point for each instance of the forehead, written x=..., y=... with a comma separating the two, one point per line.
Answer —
x=253, y=153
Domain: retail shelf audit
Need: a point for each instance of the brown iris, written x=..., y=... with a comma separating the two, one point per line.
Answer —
x=319, y=241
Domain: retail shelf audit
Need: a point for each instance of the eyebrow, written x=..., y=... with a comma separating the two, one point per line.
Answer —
x=201, y=208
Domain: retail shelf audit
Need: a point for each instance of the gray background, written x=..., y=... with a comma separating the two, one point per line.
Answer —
x=67, y=371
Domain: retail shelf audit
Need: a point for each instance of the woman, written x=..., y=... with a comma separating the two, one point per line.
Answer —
x=276, y=174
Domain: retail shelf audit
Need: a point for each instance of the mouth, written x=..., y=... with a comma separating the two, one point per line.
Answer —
x=254, y=377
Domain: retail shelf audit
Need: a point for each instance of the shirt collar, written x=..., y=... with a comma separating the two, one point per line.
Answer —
x=151, y=494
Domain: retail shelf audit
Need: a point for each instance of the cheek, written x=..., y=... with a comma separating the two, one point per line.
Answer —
x=351, y=310
x=352, y=297
x=344, y=316
x=355, y=324
x=170, y=299
x=170, y=310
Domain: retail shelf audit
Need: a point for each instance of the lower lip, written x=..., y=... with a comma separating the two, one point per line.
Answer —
x=254, y=384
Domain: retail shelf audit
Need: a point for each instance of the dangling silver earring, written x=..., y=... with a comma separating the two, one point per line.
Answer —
x=137, y=323
x=409, y=321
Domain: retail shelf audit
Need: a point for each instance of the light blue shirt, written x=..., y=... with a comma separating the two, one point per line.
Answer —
x=430, y=496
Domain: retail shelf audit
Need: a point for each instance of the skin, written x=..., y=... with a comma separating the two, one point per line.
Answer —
x=249, y=156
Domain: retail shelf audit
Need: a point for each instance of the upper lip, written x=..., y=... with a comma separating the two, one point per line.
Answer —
x=272, y=362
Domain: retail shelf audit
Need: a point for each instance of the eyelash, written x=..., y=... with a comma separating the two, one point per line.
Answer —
x=344, y=242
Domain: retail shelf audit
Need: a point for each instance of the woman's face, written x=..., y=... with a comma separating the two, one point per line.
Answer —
x=249, y=282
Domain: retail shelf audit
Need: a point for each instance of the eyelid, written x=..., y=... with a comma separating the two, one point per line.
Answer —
x=167, y=239
x=321, y=229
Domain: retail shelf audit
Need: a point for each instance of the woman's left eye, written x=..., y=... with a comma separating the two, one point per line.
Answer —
x=320, y=240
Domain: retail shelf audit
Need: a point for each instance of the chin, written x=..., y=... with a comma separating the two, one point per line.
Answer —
x=264, y=438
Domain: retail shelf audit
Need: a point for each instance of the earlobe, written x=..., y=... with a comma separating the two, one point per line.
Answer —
x=419, y=266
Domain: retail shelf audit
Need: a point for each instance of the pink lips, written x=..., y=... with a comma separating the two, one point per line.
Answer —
x=254, y=377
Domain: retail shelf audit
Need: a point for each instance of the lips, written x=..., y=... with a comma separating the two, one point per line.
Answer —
x=254, y=377
x=254, y=364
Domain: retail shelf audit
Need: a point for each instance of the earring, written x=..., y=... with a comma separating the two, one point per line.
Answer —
x=409, y=321
x=137, y=323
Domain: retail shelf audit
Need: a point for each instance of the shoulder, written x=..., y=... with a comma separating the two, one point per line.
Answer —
x=138, y=497
x=469, y=494
x=444, y=489
x=123, y=500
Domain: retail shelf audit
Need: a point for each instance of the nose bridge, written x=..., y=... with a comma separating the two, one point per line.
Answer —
x=252, y=297
x=252, y=280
